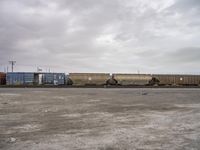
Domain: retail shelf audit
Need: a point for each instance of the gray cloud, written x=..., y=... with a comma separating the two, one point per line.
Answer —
x=100, y=36
x=185, y=55
x=186, y=5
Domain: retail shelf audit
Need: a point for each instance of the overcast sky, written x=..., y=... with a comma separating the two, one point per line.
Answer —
x=146, y=36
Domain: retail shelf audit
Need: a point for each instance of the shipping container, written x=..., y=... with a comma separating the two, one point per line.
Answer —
x=89, y=78
x=133, y=79
x=53, y=78
x=2, y=78
x=28, y=78
x=19, y=78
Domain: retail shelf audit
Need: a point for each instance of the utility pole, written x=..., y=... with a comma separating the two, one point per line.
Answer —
x=12, y=64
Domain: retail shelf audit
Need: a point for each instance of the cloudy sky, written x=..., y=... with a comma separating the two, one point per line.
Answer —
x=146, y=36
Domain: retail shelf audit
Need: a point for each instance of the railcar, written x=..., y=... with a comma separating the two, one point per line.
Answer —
x=133, y=79
x=84, y=79
x=2, y=78
x=97, y=79
x=177, y=80
x=32, y=78
x=19, y=78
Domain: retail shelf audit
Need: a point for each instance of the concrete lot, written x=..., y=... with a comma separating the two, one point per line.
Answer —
x=99, y=119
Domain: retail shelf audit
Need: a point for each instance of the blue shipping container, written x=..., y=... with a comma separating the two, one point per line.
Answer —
x=28, y=78
x=54, y=78
x=19, y=78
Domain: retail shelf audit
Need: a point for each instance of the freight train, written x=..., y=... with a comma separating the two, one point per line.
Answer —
x=96, y=79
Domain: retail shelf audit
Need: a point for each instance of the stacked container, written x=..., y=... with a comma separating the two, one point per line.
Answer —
x=19, y=78
x=53, y=78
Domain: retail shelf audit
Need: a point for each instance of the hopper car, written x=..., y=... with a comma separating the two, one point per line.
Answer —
x=84, y=79
x=176, y=80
